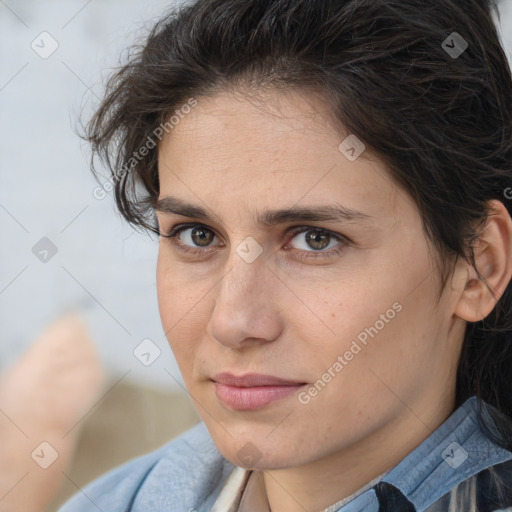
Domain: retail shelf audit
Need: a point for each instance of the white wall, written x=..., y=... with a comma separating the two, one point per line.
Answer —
x=47, y=187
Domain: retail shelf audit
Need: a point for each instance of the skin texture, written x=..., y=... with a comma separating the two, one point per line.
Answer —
x=292, y=317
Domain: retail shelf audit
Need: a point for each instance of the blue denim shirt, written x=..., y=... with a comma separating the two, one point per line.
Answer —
x=188, y=475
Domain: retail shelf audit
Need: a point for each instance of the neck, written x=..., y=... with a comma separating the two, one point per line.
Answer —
x=315, y=486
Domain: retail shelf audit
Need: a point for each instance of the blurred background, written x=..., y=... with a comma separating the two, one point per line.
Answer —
x=64, y=246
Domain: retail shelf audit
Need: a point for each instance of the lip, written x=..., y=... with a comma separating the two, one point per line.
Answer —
x=252, y=391
x=252, y=380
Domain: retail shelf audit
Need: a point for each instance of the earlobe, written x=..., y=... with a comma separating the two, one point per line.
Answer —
x=493, y=259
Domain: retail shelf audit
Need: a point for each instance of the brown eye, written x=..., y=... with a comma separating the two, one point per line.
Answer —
x=317, y=240
x=189, y=238
x=201, y=236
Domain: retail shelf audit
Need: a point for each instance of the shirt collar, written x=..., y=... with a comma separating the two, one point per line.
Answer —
x=456, y=450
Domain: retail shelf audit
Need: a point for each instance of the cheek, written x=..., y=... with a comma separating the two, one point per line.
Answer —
x=369, y=326
x=389, y=348
x=180, y=304
x=166, y=292
x=175, y=295
x=351, y=313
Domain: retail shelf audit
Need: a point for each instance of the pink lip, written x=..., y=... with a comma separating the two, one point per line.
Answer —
x=252, y=391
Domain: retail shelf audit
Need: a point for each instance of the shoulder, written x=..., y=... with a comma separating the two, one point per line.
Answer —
x=489, y=490
x=484, y=483
x=183, y=474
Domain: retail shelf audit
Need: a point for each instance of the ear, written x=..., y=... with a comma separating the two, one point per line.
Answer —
x=493, y=259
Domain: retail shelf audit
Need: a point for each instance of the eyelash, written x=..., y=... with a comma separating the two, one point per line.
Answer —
x=173, y=235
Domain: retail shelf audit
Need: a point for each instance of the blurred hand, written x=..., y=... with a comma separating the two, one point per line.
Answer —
x=43, y=398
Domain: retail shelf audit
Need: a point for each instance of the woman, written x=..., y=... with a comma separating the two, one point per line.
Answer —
x=329, y=182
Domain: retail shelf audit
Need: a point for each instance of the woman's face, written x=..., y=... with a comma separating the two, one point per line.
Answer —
x=341, y=309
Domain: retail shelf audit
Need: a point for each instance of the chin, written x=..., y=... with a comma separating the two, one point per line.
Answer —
x=256, y=460
x=257, y=452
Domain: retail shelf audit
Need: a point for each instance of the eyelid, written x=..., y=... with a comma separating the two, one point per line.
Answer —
x=297, y=230
x=293, y=231
x=176, y=229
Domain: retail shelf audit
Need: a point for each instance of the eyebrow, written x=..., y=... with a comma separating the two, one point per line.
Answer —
x=334, y=212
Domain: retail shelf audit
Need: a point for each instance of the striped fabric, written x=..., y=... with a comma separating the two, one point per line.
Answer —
x=488, y=491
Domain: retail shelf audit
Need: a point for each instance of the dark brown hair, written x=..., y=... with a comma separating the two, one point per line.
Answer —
x=441, y=121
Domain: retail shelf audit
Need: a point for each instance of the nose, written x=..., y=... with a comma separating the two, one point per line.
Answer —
x=246, y=309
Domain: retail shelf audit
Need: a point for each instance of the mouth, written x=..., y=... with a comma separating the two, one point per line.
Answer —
x=252, y=391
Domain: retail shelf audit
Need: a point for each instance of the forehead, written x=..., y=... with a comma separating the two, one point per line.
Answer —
x=254, y=120
x=277, y=149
